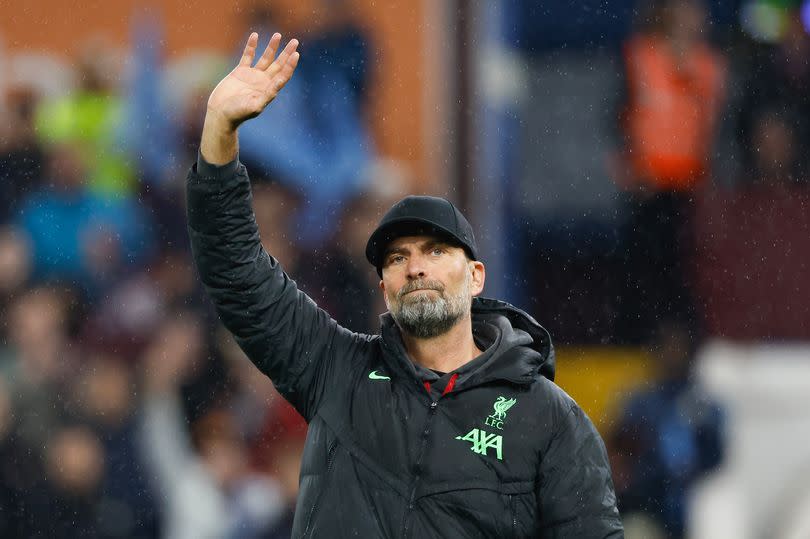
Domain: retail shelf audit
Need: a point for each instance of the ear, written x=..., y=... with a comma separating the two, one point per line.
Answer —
x=479, y=275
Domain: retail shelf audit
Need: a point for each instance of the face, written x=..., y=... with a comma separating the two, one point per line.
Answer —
x=672, y=350
x=75, y=460
x=428, y=284
x=686, y=20
x=774, y=141
x=66, y=167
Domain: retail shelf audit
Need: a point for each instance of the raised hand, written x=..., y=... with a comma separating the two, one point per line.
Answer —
x=243, y=94
x=173, y=355
x=248, y=89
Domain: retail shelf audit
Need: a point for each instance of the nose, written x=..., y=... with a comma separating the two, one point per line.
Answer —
x=416, y=267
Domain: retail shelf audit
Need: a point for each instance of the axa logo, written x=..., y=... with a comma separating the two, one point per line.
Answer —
x=482, y=441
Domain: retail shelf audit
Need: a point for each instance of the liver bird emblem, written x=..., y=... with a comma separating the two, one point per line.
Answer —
x=501, y=406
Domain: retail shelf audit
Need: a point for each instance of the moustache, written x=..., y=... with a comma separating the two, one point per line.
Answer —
x=420, y=285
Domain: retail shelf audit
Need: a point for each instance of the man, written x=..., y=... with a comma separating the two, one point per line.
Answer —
x=445, y=425
x=668, y=436
x=673, y=104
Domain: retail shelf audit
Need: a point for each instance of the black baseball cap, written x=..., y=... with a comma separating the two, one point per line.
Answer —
x=418, y=215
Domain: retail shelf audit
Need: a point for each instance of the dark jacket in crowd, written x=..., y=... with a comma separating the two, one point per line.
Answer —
x=494, y=449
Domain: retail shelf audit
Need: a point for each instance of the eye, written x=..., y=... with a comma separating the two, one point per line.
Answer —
x=395, y=259
x=437, y=251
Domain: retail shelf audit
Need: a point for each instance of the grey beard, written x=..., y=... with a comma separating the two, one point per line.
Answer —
x=425, y=317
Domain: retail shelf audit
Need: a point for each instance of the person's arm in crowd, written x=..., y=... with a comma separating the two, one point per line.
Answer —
x=164, y=439
x=575, y=489
x=166, y=447
x=280, y=329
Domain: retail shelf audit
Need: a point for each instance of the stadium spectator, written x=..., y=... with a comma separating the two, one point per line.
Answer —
x=333, y=278
x=334, y=282
x=776, y=163
x=252, y=396
x=21, y=155
x=89, y=119
x=76, y=493
x=134, y=308
x=317, y=139
x=776, y=86
x=675, y=90
x=668, y=436
x=38, y=360
x=276, y=207
x=76, y=235
x=103, y=399
x=202, y=478
x=286, y=463
x=66, y=501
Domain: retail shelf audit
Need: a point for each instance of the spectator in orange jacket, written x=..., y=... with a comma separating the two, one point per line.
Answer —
x=675, y=89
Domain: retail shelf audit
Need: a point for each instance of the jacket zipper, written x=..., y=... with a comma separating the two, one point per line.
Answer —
x=330, y=459
x=513, y=510
x=434, y=405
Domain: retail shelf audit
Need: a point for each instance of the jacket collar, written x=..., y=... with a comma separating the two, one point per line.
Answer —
x=516, y=348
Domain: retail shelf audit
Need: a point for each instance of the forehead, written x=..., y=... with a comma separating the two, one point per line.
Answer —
x=414, y=242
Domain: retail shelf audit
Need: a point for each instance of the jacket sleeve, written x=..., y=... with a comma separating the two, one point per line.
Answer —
x=280, y=329
x=575, y=489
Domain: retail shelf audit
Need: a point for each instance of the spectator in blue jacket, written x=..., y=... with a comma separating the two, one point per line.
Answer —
x=669, y=435
x=78, y=235
x=317, y=140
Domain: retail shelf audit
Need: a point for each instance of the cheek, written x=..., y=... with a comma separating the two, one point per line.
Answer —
x=389, y=291
x=386, y=300
x=461, y=276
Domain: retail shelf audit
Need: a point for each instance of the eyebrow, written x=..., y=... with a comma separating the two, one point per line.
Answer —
x=430, y=244
x=435, y=243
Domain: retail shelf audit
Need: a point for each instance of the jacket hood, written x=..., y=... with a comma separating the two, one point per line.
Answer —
x=516, y=347
x=524, y=343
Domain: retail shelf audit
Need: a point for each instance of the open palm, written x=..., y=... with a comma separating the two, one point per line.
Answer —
x=248, y=89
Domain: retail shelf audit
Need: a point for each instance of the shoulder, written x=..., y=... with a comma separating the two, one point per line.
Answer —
x=549, y=410
x=360, y=348
x=551, y=396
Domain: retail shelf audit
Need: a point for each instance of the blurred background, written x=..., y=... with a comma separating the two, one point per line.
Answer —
x=637, y=174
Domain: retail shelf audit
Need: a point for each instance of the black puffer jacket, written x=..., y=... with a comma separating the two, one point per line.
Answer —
x=495, y=449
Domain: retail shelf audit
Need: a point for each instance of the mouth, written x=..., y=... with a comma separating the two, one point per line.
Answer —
x=422, y=290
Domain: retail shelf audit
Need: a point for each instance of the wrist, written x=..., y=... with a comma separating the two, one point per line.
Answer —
x=219, y=142
x=217, y=120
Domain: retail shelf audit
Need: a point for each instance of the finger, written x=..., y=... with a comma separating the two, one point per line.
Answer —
x=269, y=52
x=250, y=50
x=286, y=72
x=284, y=56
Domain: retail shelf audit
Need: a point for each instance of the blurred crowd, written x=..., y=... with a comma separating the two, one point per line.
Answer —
x=680, y=84
x=125, y=409
x=679, y=89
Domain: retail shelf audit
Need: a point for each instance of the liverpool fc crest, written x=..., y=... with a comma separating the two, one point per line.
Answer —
x=501, y=406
